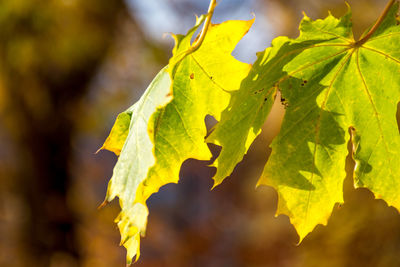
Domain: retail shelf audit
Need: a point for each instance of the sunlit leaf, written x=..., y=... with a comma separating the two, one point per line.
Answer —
x=331, y=87
x=335, y=91
x=160, y=136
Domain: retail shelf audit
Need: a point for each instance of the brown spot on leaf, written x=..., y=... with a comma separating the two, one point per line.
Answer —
x=284, y=102
x=192, y=76
x=259, y=91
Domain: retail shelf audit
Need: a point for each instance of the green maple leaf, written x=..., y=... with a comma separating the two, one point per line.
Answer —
x=335, y=88
x=166, y=126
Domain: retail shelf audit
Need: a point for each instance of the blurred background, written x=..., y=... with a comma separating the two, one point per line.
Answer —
x=68, y=67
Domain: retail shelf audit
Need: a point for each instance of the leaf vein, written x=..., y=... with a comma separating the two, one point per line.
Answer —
x=183, y=124
x=332, y=34
x=383, y=36
x=317, y=126
x=208, y=75
x=373, y=106
x=382, y=53
x=311, y=64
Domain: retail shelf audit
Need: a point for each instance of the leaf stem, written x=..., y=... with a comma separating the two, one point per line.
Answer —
x=207, y=22
x=376, y=25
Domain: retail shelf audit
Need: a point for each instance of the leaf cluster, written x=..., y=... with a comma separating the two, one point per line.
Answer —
x=336, y=89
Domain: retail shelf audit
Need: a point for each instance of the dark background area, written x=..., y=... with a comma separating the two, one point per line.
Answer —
x=68, y=67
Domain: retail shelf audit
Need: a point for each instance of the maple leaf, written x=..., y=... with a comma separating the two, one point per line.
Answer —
x=130, y=140
x=166, y=126
x=336, y=90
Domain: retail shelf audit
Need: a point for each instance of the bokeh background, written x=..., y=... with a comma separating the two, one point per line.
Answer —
x=68, y=67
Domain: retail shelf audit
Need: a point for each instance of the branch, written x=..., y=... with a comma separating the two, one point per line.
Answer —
x=207, y=22
x=376, y=25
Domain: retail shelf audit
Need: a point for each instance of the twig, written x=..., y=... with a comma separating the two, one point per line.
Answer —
x=376, y=25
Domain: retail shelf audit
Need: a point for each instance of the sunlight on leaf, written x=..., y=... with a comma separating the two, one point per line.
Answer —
x=333, y=87
x=155, y=138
